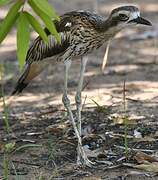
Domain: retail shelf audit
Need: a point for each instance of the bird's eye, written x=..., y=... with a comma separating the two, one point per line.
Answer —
x=123, y=17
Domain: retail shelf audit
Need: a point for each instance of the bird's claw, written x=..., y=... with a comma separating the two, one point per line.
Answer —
x=82, y=158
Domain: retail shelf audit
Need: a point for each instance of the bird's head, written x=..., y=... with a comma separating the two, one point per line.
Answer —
x=125, y=16
x=120, y=18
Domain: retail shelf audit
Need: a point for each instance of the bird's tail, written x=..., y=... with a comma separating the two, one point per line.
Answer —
x=30, y=71
x=21, y=84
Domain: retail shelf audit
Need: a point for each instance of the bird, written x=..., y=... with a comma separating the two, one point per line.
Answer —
x=81, y=33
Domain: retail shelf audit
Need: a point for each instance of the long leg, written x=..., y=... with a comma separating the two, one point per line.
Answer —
x=79, y=101
x=67, y=105
x=78, y=93
x=66, y=100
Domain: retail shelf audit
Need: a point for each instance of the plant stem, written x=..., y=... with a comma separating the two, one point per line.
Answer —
x=125, y=120
x=5, y=108
x=6, y=166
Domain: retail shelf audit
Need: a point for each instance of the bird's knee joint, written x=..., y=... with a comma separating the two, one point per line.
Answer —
x=78, y=98
x=65, y=100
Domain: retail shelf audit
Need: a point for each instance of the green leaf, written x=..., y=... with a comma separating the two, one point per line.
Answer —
x=4, y=2
x=9, y=147
x=23, y=37
x=46, y=19
x=37, y=27
x=44, y=6
x=28, y=146
x=10, y=19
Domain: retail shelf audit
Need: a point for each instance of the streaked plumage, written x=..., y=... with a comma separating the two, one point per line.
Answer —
x=81, y=32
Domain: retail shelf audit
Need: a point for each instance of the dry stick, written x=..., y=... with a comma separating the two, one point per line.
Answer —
x=27, y=163
x=105, y=56
x=124, y=96
x=133, y=149
x=125, y=119
x=84, y=102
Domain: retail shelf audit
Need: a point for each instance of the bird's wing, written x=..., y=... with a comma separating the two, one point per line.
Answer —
x=40, y=50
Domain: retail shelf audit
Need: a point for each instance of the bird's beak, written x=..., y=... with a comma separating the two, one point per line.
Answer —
x=140, y=20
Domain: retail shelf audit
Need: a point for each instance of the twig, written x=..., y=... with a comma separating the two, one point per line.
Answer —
x=84, y=102
x=67, y=142
x=105, y=56
x=27, y=163
x=134, y=149
x=113, y=167
x=125, y=119
x=85, y=85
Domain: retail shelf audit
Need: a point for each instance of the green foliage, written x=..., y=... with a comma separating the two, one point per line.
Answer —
x=5, y=107
x=4, y=2
x=44, y=6
x=28, y=146
x=9, y=150
x=125, y=137
x=100, y=109
x=45, y=18
x=23, y=36
x=24, y=19
x=36, y=25
x=6, y=171
x=9, y=147
x=10, y=19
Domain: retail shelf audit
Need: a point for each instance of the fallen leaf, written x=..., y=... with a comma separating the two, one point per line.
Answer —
x=121, y=120
x=116, y=135
x=145, y=139
x=152, y=167
x=142, y=157
x=91, y=178
x=56, y=129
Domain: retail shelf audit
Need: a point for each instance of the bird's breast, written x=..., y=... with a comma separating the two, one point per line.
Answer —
x=84, y=41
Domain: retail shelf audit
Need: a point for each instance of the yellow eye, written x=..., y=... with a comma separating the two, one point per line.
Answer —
x=123, y=17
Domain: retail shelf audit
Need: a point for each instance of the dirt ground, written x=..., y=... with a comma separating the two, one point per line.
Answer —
x=37, y=116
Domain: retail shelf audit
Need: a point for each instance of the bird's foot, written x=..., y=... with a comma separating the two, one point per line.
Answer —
x=82, y=158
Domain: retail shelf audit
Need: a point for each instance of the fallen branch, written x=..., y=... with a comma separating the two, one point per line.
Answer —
x=134, y=149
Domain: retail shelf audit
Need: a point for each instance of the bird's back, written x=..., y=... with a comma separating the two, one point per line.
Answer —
x=75, y=28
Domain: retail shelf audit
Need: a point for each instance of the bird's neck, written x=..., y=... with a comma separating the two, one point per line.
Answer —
x=109, y=28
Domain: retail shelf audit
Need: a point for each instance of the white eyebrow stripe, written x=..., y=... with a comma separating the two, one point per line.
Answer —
x=135, y=15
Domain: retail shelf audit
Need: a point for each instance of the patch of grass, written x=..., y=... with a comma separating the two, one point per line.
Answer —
x=8, y=148
x=53, y=153
x=52, y=148
x=55, y=173
x=25, y=146
x=6, y=162
x=125, y=136
x=5, y=107
x=101, y=109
